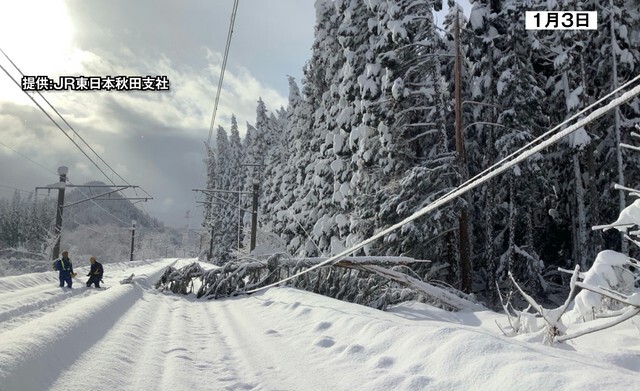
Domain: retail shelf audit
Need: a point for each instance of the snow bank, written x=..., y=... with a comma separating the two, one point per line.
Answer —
x=288, y=339
x=428, y=350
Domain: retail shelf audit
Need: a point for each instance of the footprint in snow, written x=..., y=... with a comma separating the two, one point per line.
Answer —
x=418, y=382
x=354, y=349
x=174, y=350
x=322, y=326
x=385, y=362
x=325, y=342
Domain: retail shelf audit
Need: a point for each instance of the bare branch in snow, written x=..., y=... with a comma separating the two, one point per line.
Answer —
x=630, y=313
x=554, y=326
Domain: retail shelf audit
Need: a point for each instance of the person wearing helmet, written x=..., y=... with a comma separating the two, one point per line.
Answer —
x=65, y=269
x=95, y=274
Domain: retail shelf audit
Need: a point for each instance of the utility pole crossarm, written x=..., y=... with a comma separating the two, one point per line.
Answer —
x=123, y=186
x=222, y=191
x=223, y=201
x=61, y=185
x=120, y=199
x=53, y=186
x=96, y=196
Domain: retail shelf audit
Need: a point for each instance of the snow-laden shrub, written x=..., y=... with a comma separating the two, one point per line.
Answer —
x=610, y=271
x=179, y=280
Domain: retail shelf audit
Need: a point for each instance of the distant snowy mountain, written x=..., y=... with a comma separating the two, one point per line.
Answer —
x=115, y=211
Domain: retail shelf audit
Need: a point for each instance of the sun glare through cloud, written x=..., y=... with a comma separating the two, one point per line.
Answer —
x=33, y=30
x=38, y=36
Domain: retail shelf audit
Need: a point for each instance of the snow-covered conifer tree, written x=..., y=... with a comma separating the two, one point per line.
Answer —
x=510, y=97
x=226, y=225
x=280, y=183
x=236, y=175
x=315, y=200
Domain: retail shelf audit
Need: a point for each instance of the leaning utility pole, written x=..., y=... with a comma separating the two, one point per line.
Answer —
x=463, y=221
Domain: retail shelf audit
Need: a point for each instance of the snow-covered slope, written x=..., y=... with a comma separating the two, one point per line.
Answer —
x=132, y=337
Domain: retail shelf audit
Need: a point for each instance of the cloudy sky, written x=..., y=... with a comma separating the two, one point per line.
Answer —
x=152, y=139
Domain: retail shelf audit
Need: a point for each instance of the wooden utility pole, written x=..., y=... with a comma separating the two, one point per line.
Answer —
x=62, y=171
x=254, y=211
x=463, y=221
x=624, y=245
x=254, y=215
x=211, y=245
x=133, y=238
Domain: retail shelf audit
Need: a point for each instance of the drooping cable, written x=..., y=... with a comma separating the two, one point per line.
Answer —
x=552, y=130
x=488, y=174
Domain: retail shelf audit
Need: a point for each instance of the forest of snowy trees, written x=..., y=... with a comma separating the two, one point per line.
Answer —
x=26, y=222
x=99, y=228
x=367, y=139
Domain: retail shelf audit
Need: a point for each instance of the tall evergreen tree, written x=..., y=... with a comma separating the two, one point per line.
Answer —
x=317, y=187
x=226, y=224
x=210, y=209
x=236, y=176
x=280, y=184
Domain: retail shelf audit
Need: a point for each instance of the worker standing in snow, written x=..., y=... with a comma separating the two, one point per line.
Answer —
x=65, y=269
x=95, y=274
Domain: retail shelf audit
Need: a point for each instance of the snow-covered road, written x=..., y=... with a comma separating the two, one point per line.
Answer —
x=132, y=337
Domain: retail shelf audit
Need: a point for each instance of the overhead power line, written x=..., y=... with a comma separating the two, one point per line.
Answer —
x=493, y=171
x=29, y=159
x=224, y=65
x=55, y=123
x=12, y=189
x=66, y=123
x=15, y=188
x=95, y=230
x=103, y=209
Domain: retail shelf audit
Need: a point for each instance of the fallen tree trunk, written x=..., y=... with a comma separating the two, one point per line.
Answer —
x=446, y=297
x=361, y=280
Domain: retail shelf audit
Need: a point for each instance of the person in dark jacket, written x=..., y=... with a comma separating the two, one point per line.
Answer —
x=65, y=269
x=95, y=274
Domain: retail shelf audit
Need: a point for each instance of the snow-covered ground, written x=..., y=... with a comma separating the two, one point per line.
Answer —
x=132, y=337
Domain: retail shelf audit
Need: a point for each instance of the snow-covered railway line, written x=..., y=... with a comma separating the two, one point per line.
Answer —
x=28, y=297
x=139, y=332
x=262, y=348
x=60, y=336
x=34, y=304
x=25, y=298
x=163, y=342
